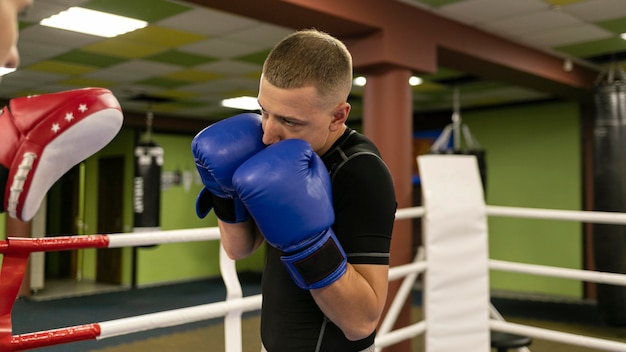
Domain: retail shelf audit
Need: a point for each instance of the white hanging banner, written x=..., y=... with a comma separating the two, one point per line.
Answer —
x=456, y=287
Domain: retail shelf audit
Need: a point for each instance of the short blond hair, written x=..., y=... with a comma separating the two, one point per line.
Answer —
x=311, y=58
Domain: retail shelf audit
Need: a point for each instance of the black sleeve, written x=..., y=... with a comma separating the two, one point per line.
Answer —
x=365, y=205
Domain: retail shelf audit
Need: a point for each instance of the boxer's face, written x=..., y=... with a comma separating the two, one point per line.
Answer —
x=9, y=11
x=299, y=113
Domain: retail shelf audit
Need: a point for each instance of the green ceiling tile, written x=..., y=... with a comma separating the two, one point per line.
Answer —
x=94, y=59
x=253, y=75
x=176, y=105
x=147, y=10
x=239, y=93
x=594, y=48
x=443, y=74
x=254, y=58
x=617, y=25
x=161, y=36
x=562, y=2
x=123, y=48
x=181, y=58
x=23, y=25
x=192, y=76
x=435, y=3
x=175, y=94
x=61, y=67
x=85, y=82
x=428, y=86
x=163, y=82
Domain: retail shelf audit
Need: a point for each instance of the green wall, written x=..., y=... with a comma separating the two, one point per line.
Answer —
x=534, y=161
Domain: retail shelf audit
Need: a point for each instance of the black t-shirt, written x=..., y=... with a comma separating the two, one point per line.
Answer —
x=364, y=204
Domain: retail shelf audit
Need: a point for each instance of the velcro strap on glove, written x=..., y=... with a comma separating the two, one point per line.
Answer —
x=231, y=210
x=318, y=265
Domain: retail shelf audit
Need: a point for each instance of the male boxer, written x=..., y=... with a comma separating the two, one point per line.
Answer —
x=42, y=137
x=328, y=226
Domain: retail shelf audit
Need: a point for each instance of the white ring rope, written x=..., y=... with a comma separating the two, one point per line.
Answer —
x=404, y=333
x=603, y=217
x=175, y=317
x=576, y=274
x=160, y=237
x=563, y=337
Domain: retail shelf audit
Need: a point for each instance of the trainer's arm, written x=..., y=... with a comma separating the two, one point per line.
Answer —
x=355, y=302
x=240, y=239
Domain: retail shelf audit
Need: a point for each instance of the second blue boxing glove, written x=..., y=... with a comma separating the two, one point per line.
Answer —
x=287, y=190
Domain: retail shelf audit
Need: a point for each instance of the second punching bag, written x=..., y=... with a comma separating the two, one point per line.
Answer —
x=609, y=188
x=147, y=186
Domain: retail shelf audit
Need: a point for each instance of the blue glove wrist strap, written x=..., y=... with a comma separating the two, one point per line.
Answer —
x=318, y=265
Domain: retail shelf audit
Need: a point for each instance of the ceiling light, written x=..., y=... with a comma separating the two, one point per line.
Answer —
x=6, y=70
x=92, y=22
x=243, y=103
x=415, y=81
x=359, y=81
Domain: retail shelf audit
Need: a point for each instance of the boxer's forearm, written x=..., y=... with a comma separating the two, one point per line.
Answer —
x=355, y=302
x=240, y=240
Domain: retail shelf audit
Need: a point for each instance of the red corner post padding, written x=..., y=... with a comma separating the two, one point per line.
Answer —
x=11, y=276
x=15, y=252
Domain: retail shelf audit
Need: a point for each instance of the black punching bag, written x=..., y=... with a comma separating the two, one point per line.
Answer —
x=609, y=188
x=147, y=186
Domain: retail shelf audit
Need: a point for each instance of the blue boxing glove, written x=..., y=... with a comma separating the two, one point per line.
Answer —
x=287, y=190
x=218, y=151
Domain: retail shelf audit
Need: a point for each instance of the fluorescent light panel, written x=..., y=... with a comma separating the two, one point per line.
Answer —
x=92, y=22
x=6, y=71
x=243, y=103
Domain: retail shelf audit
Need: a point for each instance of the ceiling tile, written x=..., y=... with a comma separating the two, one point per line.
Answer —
x=207, y=21
x=562, y=2
x=58, y=37
x=219, y=48
x=255, y=58
x=124, y=49
x=479, y=11
x=162, y=82
x=59, y=66
x=229, y=67
x=597, y=10
x=83, y=57
x=31, y=52
x=594, y=48
x=431, y=3
x=616, y=26
x=260, y=36
x=161, y=36
x=85, y=82
x=191, y=75
x=147, y=10
x=569, y=35
x=41, y=10
x=536, y=22
x=182, y=58
x=26, y=78
x=131, y=71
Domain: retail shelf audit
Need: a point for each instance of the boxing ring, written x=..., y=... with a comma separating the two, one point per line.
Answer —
x=453, y=260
